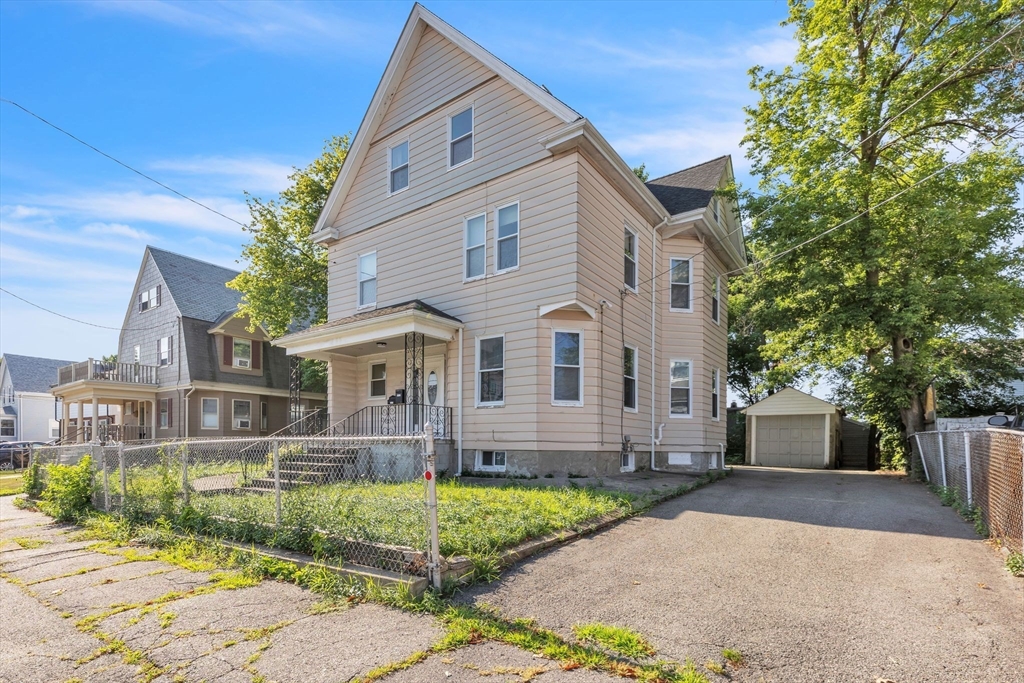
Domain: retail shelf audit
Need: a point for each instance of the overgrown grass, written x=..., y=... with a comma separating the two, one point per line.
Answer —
x=1015, y=564
x=622, y=641
x=10, y=483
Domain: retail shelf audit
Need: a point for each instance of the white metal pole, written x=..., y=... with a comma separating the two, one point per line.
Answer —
x=184, y=471
x=920, y=452
x=967, y=459
x=721, y=450
x=122, y=472
x=106, y=479
x=277, y=483
x=430, y=475
x=942, y=459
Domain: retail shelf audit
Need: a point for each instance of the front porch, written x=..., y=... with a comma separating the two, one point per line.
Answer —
x=388, y=370
x=129, y=388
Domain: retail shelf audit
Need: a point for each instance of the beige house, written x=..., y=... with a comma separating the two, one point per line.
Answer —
x=498, y=271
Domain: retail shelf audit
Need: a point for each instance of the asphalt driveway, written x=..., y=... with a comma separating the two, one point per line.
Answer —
x=812, y=575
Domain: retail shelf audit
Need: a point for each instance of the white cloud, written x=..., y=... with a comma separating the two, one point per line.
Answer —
x=117, y=230
x=292, y=26
x=47, y=232
x=249, y=174
x=116, y=207
x=23, y=265
x=672, y=145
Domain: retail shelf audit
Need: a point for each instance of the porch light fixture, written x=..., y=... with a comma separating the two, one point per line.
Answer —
x=382, y=344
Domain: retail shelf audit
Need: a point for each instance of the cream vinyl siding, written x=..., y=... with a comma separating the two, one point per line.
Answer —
x=603, y=214
x=342, y=394
x=506, y=127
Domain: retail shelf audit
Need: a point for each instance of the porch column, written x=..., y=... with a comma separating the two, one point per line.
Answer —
x=80, y=436
x=152, y=419
x=95, y=419
x=66, y=425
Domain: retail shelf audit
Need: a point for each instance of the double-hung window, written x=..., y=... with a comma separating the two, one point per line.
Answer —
x=476, y=246
x=629, y=373
x=460, y=137
x=149, y=298
x=630, y=260
x=241, y=412
x=679, y=280
x=715, y=209
x=211, y=413
x=567, y=373
x=368, y=279
x=165, y=413
x=378, y=380
x=507, y=249
x=714, y=394
x=679, y=389
x=716, y=297
x=241, y=353
x=164, y=351
x=490, y=461
x=398, y=167
x=7, y=426
x=490, y=355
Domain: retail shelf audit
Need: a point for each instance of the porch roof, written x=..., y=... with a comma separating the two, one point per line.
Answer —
x=337, y=336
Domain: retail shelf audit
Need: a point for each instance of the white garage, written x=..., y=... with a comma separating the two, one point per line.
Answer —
x=793, y=429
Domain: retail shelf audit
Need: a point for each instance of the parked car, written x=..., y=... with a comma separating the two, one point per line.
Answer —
x=1007, y=421
x=15, y=454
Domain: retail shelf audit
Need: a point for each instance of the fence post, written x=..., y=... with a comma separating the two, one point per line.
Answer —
x=184, y=471
x=123, y=473
x=967, y=459
x=942, y=459
x=434, y=563
x=106, y=482
x=277, y=483
x=920, y=454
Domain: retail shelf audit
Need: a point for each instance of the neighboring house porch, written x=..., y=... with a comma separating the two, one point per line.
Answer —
x=130, y=387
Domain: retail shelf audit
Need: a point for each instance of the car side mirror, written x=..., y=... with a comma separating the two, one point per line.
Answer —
x=1000, y=420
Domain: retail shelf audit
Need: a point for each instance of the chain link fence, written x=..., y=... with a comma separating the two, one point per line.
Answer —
x=984, y=470
x=355, y=499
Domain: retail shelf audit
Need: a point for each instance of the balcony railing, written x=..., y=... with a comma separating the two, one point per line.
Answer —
x=397, y=419
x=131, y=373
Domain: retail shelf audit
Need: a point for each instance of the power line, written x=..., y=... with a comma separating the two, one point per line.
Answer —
x=123, y=164
x=85, y=322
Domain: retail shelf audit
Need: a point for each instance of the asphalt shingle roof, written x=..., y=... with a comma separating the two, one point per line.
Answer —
x=29, y=373
x=198, y=288
x=690, y=188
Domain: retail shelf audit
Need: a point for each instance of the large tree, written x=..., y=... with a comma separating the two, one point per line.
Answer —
x=284, y=283
x=857, y=133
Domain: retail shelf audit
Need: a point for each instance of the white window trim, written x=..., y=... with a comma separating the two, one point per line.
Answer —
x=235, y=359
x=165, y=352
x=689, y=400
x=233, y=418
x=671, y=267
x=369, y=380
x=466, y=246
x=472, y=134
x=476, y=381
x=572, y=404
x=636, y=259
x=519, y=236
x=359, y=282
x=202, y=424
x=716, y=316
x=479, y=465
x=408, y=165
x=164, y=416
x=636, y=379
x=716, y=388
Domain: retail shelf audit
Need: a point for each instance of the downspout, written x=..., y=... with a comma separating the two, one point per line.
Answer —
x=458, y=468
x=180, y=397
x=654, y=330
x=185, y=401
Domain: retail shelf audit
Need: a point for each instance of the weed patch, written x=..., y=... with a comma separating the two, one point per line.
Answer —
x=617, y=639
x=734, y=657
x=1015, y=564
x=29, y=543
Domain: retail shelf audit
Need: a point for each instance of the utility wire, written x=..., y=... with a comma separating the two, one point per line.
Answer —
x=85, y=322
x=121, y=163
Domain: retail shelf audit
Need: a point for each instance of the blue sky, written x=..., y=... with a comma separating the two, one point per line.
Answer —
x=216, y=99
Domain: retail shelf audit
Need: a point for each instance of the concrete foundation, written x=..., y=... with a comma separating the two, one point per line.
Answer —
x=590, y=463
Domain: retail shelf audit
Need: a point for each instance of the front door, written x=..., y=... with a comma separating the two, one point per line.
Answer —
x=433, y=394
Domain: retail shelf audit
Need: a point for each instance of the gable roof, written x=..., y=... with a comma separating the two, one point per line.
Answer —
x=419, y=18
x=32, y=374
x=790, y=401
x=690, y=188
x=199, y=288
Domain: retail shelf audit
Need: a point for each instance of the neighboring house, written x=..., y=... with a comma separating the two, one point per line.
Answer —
x=793, y=429
x=187, y=364
x=492, y=263
x=28, y=411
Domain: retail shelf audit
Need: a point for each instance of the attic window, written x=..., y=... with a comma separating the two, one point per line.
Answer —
x=460, y=138
x=149, y=298
x=714, y=209
x=242, y=356
x=398, y=163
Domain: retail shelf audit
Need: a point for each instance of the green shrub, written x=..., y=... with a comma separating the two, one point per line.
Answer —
x=33, y=480
x=68, y=493
x=1015, y=564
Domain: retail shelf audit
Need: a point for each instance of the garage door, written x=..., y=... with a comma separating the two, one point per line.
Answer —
x=791, y=440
